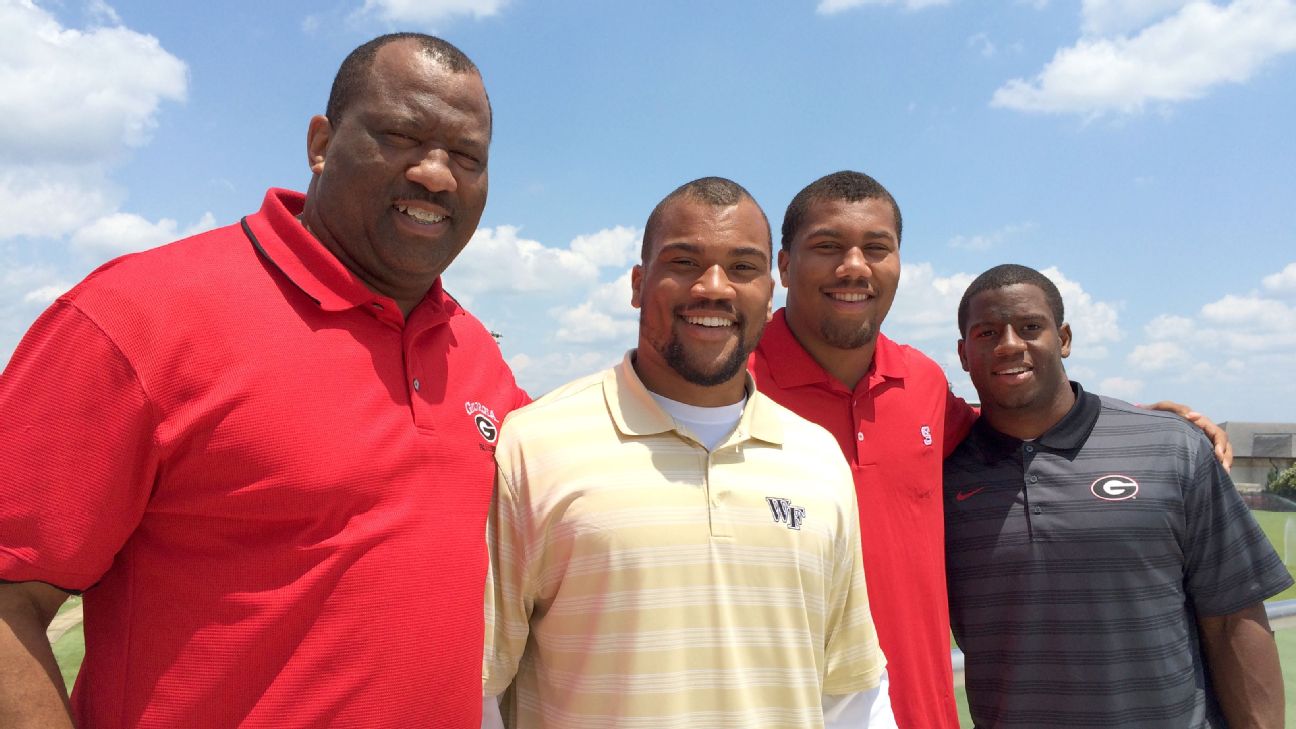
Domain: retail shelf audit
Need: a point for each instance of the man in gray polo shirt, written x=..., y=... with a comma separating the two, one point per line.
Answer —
x=1103, y=571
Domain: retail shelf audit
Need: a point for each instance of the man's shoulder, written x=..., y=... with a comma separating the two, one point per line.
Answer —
x=581, y=396
x=198, y=260
x=1117, y=412
x=915, y=359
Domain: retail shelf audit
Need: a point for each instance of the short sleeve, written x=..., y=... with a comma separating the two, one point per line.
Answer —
x=76, y=440
x=1230, y=562
x=959, y=417
x=853, y=657
x=508, y=601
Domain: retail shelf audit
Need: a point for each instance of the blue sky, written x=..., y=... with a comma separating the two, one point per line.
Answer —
x=1139, y=151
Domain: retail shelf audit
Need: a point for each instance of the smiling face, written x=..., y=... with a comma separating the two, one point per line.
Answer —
x=399, y=182
x=1013, y=350
x=841, y=270
x=703, y=293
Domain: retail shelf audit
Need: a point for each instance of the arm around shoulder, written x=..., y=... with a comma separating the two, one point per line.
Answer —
x=32, y=693
x=1242, y=656
x=1218, y=438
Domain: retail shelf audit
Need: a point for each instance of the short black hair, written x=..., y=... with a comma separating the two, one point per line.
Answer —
x=845, y=185
x=1010, y=274
x=717, y=192
x=352, y=75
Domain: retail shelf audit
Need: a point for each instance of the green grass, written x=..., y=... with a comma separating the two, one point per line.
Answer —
x=1280, y=527
x=69, y=650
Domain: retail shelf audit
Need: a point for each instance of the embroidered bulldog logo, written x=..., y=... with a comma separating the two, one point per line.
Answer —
x=485, y=421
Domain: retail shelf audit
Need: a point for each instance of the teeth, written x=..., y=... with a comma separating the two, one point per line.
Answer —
x=850, y=297
x=1013, y=371
x=708, y=321
x=422, y=216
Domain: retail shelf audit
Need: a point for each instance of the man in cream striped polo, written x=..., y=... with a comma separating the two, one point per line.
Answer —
x=670, y=548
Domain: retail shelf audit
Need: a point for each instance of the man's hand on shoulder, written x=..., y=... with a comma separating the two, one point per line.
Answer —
x=1216, y=434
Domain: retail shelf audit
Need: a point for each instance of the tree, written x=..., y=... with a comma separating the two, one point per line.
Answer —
x=1282, y=483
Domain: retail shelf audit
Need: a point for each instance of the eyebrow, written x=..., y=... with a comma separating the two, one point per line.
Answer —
x=695, y=249
x=834, y=233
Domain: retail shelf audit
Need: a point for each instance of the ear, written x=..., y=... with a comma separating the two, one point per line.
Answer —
x=963, y=356
x=636, y=285
x=1064, y=333
x=318, y=134
x=783, y=260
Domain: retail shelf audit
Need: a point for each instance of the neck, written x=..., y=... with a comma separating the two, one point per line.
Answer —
x=405, y=300
x=847, y=366
x=1029, y=423
x=667, y=383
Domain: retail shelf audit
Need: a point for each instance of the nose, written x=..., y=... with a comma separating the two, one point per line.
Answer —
x=853, y=264
x=433, y=172
x=713, y=284
x=1009, y=343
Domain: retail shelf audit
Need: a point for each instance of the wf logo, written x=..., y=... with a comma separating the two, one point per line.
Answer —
x=784, y=512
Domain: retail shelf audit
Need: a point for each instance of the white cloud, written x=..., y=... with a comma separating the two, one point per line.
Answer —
x=539, y=374
x=1167, y=326
x=1117, y=17
x=1250, y=323
x=1283, y=282
x=982, y=44
x=1178, y=58
x=1093, y=323
x=498, y=260
x=75, y=96
x=926, y=305
x=986, y=241
x=1121, y=387
x=74, y=102
x=832, y=7
x=605, y=316
x=52, y=200
x=1159, y=357
x=25, y=290
x=430, y=11
x=617, y=246
x=119, y=233
x=1247, y=341
x=45, y=295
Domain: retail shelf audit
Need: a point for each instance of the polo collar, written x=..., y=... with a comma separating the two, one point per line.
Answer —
x=792, y=366
x=1067, y=434
x=284, y=242
x=635, y=413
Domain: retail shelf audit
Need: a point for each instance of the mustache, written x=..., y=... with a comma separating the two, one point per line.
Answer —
x=710, y=308
x=422, y=194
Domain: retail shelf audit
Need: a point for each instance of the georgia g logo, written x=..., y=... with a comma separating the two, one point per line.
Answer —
x=486, y=428
x=1114, y=488
x=485, y=420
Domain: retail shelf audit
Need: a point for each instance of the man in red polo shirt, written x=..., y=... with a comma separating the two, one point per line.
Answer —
x=889, y=406
x=264, y=454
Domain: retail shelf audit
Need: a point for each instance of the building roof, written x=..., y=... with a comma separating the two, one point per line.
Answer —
x=1261, y=440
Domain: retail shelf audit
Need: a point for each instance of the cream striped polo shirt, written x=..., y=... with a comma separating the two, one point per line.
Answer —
x=640, y=581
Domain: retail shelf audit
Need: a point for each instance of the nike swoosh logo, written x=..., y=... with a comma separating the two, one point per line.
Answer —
x=965, y=495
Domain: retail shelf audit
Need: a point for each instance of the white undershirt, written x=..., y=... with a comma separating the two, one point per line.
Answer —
x=709, y=425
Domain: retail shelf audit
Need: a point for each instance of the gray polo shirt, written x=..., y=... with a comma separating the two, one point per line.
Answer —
x=1078, y=562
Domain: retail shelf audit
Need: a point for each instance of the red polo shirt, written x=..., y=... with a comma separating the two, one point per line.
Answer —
x=894, y=428
x=271, y=486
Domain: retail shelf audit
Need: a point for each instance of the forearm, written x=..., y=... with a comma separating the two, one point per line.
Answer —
x=32, y=693
x=1243, y=660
